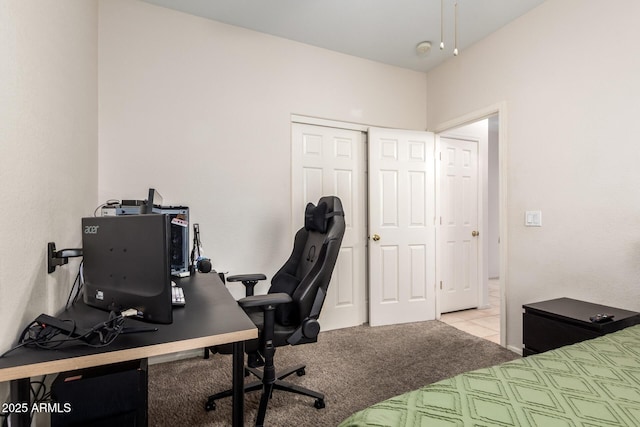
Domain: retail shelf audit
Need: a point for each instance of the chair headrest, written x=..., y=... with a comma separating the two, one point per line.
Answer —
x=316, y=218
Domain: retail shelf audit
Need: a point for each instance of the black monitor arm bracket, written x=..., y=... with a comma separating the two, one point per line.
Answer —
x=61, y=257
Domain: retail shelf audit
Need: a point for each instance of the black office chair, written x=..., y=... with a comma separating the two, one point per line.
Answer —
x=288, y=314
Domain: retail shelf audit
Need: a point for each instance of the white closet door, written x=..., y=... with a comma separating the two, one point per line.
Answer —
x=331, y=161
x=401, y=226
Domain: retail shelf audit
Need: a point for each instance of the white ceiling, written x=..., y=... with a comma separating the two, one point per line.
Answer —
x=386, y=31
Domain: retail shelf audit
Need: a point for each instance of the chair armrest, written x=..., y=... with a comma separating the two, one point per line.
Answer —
x=248, y=280
x=269, y=301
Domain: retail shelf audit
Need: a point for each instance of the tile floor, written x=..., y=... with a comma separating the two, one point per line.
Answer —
x=484, y=323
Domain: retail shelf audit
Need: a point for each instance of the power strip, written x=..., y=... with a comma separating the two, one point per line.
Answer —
x=66, y=327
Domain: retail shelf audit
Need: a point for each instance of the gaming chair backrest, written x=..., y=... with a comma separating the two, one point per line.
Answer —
x=308, y=270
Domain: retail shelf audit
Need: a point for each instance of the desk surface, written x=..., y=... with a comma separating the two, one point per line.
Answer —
x=210, y=317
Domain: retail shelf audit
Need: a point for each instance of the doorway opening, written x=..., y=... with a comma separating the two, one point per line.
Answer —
x=487, y=319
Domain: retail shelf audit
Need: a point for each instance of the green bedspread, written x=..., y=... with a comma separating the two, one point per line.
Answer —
x=592, y=383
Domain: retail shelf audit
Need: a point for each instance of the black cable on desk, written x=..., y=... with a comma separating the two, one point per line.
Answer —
x=106, y=331
x=20, y=342
x=46, y=339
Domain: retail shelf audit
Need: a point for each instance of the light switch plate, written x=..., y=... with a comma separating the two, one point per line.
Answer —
x=533, y=218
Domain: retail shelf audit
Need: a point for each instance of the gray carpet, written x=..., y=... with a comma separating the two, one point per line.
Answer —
x=353, y=367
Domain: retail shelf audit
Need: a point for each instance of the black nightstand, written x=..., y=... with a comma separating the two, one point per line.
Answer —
x=563, y=321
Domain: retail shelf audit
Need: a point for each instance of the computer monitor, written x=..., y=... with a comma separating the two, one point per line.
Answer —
x=126, y=265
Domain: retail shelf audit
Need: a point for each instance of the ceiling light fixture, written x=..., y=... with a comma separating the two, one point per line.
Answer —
x=455, y=27
x=441, y=24
x=423, y=48
x=455, y=30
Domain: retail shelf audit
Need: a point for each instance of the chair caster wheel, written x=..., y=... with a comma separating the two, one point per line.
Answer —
x=300, y=372
x=210, y=406
x=319, y=404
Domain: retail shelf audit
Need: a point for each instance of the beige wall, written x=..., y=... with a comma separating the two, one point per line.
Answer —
x=569, y=77
x=201, y=111
x=48, y=149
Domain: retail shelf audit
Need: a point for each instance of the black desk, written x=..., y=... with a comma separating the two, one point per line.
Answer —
x=211, y=317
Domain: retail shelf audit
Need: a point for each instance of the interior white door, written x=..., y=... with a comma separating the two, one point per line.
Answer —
x=459, y=225
x=401, y=226
x=331, y=161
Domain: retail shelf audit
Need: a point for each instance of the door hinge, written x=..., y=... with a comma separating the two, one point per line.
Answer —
x=440, y=284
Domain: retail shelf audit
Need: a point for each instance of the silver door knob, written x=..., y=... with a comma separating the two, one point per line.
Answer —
x=475, y=233
x=376, y=237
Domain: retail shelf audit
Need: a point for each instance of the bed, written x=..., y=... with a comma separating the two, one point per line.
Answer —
x=592, y=383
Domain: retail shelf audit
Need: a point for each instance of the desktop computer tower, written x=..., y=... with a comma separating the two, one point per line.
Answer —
x=111, y=395
x=179, y=249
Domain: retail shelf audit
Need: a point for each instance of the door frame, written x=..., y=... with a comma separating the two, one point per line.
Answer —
x=308, y=120
x=499, y=109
